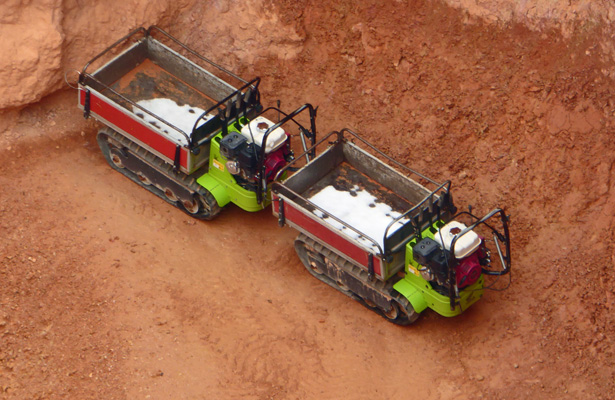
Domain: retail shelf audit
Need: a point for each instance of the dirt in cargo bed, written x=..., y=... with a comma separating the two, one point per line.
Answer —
x=346, y=178
x=149, y=81
x=108, y=292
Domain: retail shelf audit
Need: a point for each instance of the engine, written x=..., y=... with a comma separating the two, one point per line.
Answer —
x=434, y=256
x=242, y=151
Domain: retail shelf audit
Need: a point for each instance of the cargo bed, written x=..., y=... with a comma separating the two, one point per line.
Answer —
x=171, y=101
x=351, y=200
x=149, y=80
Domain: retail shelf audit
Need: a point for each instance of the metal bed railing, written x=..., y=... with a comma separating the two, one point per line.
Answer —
x=438, y=201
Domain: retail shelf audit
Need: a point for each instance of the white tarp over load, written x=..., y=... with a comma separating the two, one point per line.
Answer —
x=183, y=117
x=359, y=209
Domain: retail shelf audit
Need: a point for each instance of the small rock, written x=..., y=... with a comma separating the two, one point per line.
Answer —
x=480, y=378
x=516, y=365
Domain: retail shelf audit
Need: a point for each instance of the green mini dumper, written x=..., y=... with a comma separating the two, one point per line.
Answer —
x=185, y=128
x=196, y=135
x=385, y=239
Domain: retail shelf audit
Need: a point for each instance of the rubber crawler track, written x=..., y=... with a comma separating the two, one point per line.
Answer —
x=405, y=315
x=107, y=136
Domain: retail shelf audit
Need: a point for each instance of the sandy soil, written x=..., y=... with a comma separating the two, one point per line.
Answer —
x=108, y=292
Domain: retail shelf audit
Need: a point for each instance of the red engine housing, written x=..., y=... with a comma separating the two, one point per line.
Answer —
x=275, y=160
x=468, y=270
x=273, y=163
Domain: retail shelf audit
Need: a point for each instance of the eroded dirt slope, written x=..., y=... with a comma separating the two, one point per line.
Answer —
x=110, y=293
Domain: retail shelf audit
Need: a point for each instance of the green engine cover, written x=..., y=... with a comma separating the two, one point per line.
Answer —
x=420, y=292
x=222, y=184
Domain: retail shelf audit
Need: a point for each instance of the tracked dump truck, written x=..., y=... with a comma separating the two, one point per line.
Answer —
x=183, y=127
x=197, y=135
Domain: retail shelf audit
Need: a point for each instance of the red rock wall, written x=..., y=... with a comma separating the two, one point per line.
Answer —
x=537, y=14
x=44, y=38
x=41, y=39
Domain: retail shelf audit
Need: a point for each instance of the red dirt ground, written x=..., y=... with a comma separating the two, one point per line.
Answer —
x=109, y=292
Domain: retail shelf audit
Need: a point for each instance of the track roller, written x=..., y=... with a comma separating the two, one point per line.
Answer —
x=350, y=279
x=157, y=176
